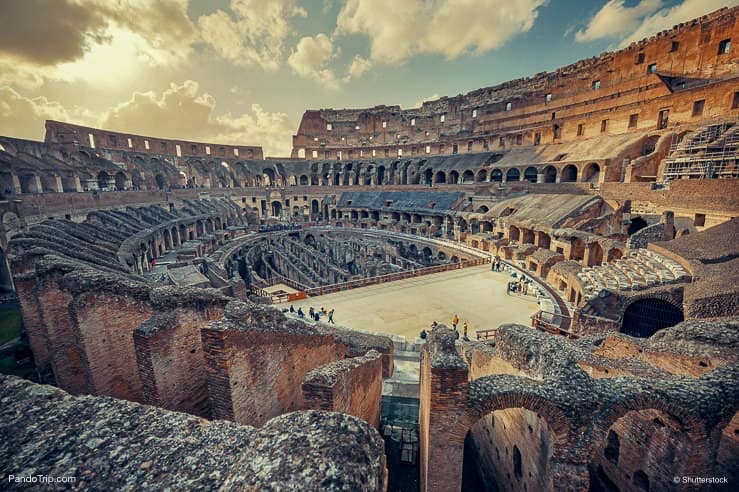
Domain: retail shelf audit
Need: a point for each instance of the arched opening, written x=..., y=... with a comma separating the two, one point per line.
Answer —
x=637, y=224
x=482, y=176
x=381, y=175
x=276, y=208
x=596, y=255
x=160, y=181
x=268, y=177
x=103, y=180
x=569, y=174
x=643, y=450
x=530, y=174
x=462, y=225
x=496, y=175
x=428, y=176
x=513, y=174
x=440, y=177
x=577, y=252
x=482, y=209
x=468, y=177
x=314, y=207
x=645, y=317
x=120, y=181
x=591, y=173
x=509, y=449
x=309, y=240
x=303, y=180
x=614, y=254
x=550, y=174
x=514, y=234
x=453, y=177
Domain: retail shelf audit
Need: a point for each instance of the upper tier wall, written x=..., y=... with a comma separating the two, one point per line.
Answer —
x=669, y=71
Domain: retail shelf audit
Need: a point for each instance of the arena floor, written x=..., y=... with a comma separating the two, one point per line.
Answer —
x=405, y=307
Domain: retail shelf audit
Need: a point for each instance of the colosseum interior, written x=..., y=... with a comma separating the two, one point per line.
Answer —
x=165, y=288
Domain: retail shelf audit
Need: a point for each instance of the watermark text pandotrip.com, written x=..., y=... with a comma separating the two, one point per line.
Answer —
x=38, y=479
x=700, y=480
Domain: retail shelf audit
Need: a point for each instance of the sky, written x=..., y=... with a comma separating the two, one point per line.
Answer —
x=244, y=71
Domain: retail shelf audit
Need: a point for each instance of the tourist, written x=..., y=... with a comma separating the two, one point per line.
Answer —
x=455, y=320
x=300, y=312
x=423, y=335
x=311, y=312
x=323, y=310
x=456, y=334
x=317, y=316
x=331, y=316
x=292, y=309
x=464, y=329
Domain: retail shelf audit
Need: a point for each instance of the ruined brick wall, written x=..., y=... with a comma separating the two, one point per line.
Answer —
x=352, y=386
x=513, y=448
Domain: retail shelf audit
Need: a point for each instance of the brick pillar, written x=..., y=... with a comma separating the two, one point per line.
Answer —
x=443, y=413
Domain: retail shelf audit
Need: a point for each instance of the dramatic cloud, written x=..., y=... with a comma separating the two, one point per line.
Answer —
x=399, y=30
x=254, y=34
x=614, y=19
x=50, y=32
x=310, y=58
x=24, y=117
x=183, y=112
x=629, y=24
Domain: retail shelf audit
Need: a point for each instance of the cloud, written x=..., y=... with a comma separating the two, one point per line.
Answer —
x=254, y=34
x=399, y=30
x=358, y=67
x=419, y=103
x=630, y=24
x=23, y=117
x=50, y=32
x=182, y=111
x=615, y=19
x=310, y=57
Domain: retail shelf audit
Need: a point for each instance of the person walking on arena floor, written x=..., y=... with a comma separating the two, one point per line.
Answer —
x=455, y=320
x=331, y=316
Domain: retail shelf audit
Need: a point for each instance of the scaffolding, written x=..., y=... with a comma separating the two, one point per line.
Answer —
x=711, y=151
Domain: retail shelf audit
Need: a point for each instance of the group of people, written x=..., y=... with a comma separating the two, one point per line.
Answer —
x=315, y=314
x=495, y=264
x=520, y=287
x=455, y=322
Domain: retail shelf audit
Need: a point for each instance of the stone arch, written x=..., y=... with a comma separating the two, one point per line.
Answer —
x=276, y=208
x=530, y=174
x=614, y=254
x=103, y=180
x=159, y=179
x=496, y=175
x=514, y=233
x=591, y=173
x=268, y=177
x=428, y=176
x=482, y=209
x=315, y=207
x=453, y=177
x=645, y=315
x=550, y=174
x=650, y=416
x=595, y=256
x=440, y=177
x=569, y=174
x=482, y=176
x=637, y=224
x=513, y=174
x=381, y=175
x=304, y=180
x=468, y=176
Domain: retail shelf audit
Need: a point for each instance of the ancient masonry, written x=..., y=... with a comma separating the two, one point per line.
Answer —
x=149, y=274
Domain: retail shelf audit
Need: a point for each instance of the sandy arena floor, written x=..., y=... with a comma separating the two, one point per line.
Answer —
x=406, y=306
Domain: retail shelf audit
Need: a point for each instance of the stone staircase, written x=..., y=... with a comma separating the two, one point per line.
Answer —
x=639, y=270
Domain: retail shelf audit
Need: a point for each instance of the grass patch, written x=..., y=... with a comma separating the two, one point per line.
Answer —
x=10, y=323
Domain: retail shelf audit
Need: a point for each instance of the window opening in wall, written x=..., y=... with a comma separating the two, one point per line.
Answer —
x=474, y=113
x=698, y=107
x=675, y=46
x=557, y=131
x=146, y=144
x=454, y=148
x=613, y=447
x=178, y=150
x=519, y=139
x=314, y=154
x=501, y=141
x=207, y=149
x=652, y=68
x=724, y=47
x=400, y=152
x=595, y=84
x=253, y=199
x=633, y=120
x=397, y=136
x=361, y=153
x=236, y=152
x=356, y=127
x=663, y=118
x=537, y=138
x=428, y=149
x=554, y=115
x=517, y=463
x=485, y=144
x=387, y=152
x=699, y=220
x=735, y=102
x=508, y=106
x=469, y=146
x=329, y=126
x=374, y=153
x=413, y=122
x=221, y=151
x=130, y=143
x=163, y=146
x=603, y=126
x=427, y=133
x=579, y=130
x=548, y=97
x=442, y=148
x=91, y=138
x=442, y=118
x=639, y=58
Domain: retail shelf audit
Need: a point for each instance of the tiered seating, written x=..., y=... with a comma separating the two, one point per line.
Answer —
x=640, y=270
